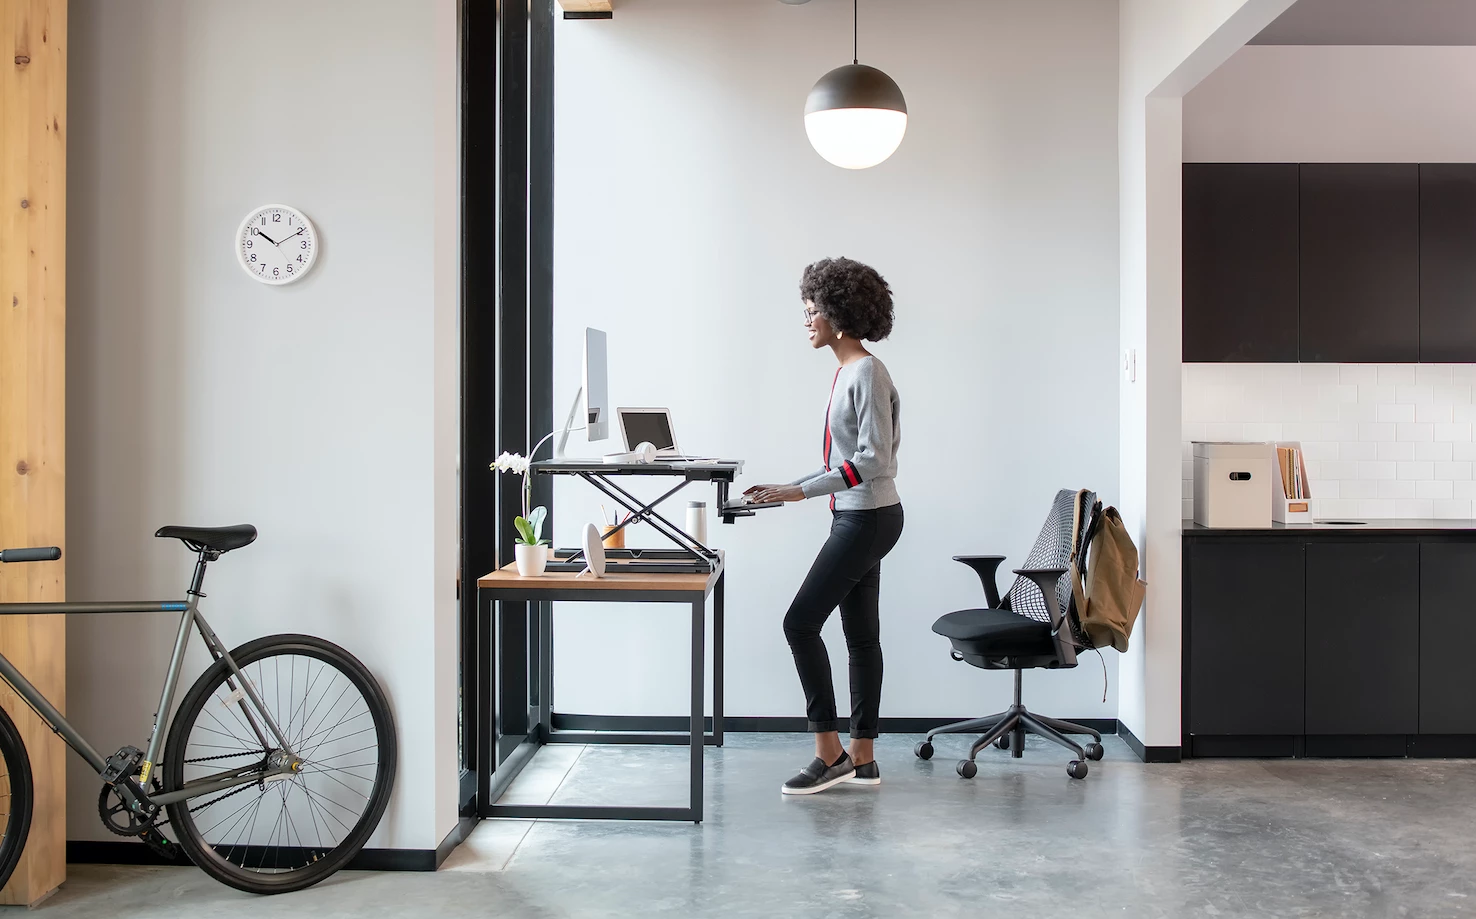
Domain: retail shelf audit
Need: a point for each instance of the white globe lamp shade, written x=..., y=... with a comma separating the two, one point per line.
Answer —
x=855, y=116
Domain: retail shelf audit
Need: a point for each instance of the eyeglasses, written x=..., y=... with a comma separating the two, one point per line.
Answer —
x=810, y=315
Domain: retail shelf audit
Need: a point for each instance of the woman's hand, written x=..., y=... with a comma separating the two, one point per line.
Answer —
x=764, y=494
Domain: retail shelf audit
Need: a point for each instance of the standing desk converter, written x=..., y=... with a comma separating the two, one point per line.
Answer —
x=630, y=584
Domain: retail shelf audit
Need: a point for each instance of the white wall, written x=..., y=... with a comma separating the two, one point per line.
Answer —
x=689, y=201
x=323, y=412
x=1167, y=46
x=1331, y=104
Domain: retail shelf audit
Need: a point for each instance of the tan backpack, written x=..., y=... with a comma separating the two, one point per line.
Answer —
x=1110, y=595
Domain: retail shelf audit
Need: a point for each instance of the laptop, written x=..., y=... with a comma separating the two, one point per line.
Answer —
x=653, y=425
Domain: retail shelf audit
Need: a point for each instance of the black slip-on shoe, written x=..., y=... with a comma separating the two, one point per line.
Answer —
x=817, y=776
x=867, y=774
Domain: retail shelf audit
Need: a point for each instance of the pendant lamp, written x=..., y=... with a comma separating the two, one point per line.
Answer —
x=855, y=116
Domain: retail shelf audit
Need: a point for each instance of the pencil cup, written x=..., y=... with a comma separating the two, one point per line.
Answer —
x=612, y=538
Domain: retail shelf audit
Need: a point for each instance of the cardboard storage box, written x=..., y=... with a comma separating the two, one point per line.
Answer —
x=1233, y=485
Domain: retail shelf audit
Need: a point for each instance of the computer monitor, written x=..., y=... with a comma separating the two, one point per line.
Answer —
x=594, y=393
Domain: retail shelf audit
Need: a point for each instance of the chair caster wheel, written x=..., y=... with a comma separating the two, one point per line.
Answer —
x=924, y=750
x=1076, y=769
x=1094, y=751
x=967, y=768
x=1003, y=742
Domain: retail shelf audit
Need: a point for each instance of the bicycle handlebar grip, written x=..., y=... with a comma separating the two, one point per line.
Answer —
x=40, y=554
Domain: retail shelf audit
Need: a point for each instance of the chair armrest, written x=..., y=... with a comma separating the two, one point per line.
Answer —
x=1046, y=579
x=985, y=567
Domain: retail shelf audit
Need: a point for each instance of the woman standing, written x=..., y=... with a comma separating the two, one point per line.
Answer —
x=846, y=304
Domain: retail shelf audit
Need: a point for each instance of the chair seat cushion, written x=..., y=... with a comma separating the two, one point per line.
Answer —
x=995, y=631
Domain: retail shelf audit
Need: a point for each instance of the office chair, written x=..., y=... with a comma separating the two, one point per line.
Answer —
x=1034, y=626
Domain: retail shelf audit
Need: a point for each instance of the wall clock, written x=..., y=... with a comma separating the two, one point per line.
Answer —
x=276, y=244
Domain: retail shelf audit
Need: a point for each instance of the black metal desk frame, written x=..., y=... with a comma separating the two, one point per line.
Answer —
x=690, y=555
x=490, y=787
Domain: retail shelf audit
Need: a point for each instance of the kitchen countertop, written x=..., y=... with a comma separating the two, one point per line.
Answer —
x=1342, y=526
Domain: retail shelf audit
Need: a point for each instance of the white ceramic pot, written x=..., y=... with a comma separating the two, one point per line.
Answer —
x=532, y=560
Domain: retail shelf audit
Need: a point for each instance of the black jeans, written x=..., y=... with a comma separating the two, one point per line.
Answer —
x=847, y=573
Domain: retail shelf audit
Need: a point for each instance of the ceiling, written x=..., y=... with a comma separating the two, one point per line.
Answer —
x=1373, y=22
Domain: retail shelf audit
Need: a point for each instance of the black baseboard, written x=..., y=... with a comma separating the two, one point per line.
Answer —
x=1149, y=754
x=120, y=852
x=1334, y=746
x=768, y=725
x=464, y=826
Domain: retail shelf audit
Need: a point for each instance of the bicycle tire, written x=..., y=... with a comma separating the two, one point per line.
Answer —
x=312, y=865
x=17, y=792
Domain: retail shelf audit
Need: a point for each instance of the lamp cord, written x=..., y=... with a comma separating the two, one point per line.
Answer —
x=855, y=31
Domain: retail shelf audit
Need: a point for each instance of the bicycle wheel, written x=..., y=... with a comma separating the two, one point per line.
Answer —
x=284, y=832
x=15, y=796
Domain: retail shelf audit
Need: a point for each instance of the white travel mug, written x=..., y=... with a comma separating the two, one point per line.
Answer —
x=697, y=521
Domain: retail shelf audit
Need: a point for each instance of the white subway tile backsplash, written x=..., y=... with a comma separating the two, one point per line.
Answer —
x=1433, y=374
x=1379, y=440
x=1415, y=395
x=1453, y=472
x=1457, y=394
x=1415, y=471
x=1434, y=490
x=1396, y=451
x=1396, y=374
x=1416, y=508
x=1374, y=509
x=1317, y=374
x=1397, y=489
x=1459, y=509
x=1376, y=470
x=1434, y=414
x=1413, y=431
x=1434, y=451
x=1386, y=411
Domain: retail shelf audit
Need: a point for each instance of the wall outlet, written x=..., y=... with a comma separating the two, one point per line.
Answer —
x=1130, y=364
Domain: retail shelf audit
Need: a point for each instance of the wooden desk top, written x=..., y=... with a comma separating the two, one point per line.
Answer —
x=508, y=577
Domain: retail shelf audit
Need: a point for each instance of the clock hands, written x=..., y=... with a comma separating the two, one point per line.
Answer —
x=267, y=238
x=285, y=238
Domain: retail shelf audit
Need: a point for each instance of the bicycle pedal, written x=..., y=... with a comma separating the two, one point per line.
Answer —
x=122, y=764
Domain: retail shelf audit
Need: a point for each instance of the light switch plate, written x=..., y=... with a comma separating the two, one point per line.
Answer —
x=1130, y=364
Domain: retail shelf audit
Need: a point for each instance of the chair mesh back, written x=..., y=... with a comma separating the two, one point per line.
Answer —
x=1053, y=549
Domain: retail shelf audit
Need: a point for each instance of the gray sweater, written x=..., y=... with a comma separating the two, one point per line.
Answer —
x=862, y=432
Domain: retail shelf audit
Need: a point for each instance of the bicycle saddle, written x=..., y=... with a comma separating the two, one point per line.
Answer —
x=221, y=539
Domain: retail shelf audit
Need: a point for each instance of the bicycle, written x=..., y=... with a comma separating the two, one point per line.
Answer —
x=307, y=759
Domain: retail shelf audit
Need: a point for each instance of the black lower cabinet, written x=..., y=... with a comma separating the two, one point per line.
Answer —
x=1447, y=609
x=1324, y=644
x=1363, y=638
x=1245, y=599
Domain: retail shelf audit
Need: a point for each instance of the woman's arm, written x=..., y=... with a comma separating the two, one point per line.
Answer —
x=872, y=394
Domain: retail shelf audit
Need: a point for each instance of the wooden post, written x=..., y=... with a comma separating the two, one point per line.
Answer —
x=33, y=208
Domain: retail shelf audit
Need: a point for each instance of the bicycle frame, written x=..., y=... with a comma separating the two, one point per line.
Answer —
x=220, y=781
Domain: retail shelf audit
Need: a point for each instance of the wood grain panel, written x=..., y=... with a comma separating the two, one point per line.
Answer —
x=33, y=129
x=585, y=6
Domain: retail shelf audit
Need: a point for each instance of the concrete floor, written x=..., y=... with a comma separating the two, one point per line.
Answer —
x=1208, y=838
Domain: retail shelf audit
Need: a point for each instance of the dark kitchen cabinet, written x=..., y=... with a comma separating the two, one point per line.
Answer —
x=1363, y=638
x=1360, y=262
x=1246, y=625
x=1448, y=262
x=1240, y=261
x=1447, y=609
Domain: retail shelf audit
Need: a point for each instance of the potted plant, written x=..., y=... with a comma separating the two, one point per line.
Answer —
x=531, y=549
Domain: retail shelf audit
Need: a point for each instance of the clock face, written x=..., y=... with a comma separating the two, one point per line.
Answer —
x=276, y=244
